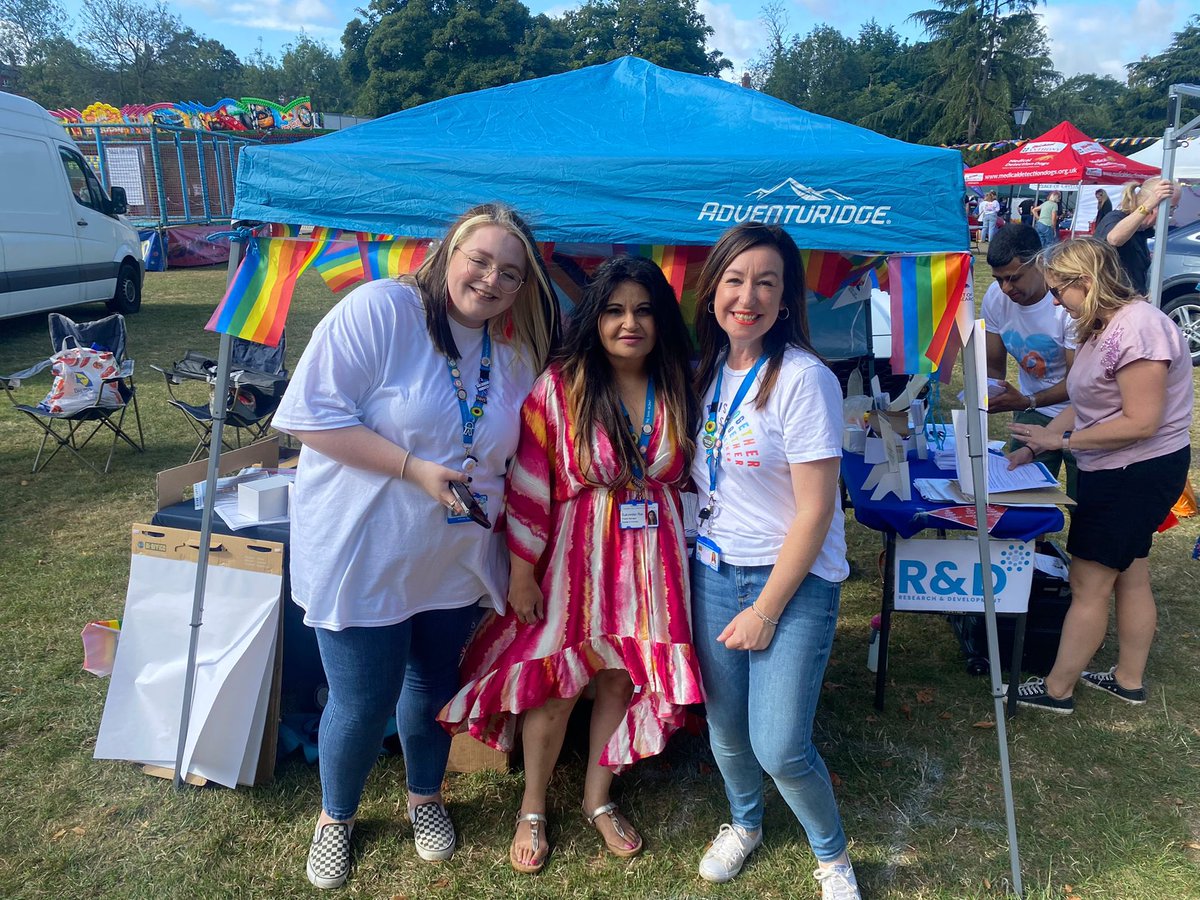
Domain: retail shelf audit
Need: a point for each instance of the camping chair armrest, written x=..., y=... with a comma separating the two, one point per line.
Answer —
x=14, y=380
x=126, y=370
x=171, y=375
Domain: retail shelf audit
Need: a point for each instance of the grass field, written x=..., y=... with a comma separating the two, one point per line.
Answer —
x=1108, y=800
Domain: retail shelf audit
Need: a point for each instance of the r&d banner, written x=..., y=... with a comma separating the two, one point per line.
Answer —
x=945, y=575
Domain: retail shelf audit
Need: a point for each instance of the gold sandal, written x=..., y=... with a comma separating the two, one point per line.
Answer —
x=536, y=821
x=610, y=810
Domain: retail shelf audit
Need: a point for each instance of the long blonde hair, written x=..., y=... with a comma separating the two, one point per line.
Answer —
x=531, y=324
x=1107, y=288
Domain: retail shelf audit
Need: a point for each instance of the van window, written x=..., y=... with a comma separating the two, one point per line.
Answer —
x=84, y=185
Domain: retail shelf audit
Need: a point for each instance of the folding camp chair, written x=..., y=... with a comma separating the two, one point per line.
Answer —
x=257, y=382
x=73, y=430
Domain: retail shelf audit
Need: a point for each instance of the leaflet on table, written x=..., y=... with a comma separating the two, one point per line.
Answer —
x=947, y=490
x=226, y=505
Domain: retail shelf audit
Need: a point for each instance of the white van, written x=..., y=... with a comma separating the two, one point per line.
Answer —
x=61, y=239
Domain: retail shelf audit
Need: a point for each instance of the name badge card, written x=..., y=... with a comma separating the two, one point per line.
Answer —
x=638, y=514
x=708, y=553
x=452, y=519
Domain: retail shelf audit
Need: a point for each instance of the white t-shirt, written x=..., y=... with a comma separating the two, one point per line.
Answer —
x=366, y=549
x=989, y=208
x=1037, y=337
x=801, y=422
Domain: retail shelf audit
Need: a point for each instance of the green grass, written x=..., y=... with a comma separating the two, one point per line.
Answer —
x=1108, y=801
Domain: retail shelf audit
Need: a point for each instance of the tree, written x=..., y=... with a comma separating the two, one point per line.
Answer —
x=670, y=33
x=27, y=28
x=309, y=68
x=129, y=37
x=420, y=50
x=982, y=49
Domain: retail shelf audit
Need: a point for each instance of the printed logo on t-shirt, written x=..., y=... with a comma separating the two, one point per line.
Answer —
x=740, y=447
x=1037, y=354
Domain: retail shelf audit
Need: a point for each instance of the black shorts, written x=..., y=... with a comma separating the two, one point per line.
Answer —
x=1120, y=510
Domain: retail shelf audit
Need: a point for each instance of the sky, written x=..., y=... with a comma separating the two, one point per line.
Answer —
x=1098, y=36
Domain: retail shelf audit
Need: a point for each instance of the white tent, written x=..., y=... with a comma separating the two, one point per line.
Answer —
x=1187, y=159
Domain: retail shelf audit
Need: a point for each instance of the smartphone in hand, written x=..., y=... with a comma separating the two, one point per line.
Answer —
x=470, y=504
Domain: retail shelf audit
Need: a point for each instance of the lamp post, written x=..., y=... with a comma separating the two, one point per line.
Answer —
x=1021, y=115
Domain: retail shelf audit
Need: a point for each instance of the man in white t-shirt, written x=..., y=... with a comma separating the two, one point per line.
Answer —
x=1022, y=321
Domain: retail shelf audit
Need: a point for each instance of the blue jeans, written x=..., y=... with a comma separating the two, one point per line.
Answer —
x=1047, y=234
x=988, y=227
x=761, y=704
x=411, y=669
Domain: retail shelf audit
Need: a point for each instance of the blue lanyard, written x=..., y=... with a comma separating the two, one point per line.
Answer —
x=472, y=414
x=643, y=437
x=713, y=439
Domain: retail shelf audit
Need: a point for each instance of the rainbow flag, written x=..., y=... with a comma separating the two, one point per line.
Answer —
x=255, y=305
x=340, y=264
x=277, y=230
x=392, y=258
x=926, y=292
x=827, y=273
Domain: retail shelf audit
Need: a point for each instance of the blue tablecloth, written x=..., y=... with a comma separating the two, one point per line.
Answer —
x=906, y=518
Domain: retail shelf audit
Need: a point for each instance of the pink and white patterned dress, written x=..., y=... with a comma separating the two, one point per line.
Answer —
x=614, y=598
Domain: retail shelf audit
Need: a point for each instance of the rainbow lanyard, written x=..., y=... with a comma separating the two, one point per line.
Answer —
x=472, y=414
x=714, y=439
x=643, y=437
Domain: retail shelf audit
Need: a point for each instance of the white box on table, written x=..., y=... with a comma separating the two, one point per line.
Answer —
x=264, y=498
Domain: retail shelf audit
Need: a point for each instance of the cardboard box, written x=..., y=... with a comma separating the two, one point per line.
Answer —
x=264, y=498
x=172, y=484
x=468, y=755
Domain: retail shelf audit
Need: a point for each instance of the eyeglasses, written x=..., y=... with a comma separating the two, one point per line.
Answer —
x=509, y=282
x=1057, y=292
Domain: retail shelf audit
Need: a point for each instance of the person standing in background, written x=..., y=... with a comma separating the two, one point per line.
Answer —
x=1103, y=207
x=989, y=211
x=1047, y=219
x=1128, y=228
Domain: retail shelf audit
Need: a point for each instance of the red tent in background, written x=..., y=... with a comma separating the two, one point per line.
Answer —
x=1063, y=155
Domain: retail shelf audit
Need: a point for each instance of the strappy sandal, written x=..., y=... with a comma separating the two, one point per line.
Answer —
x=536, y=822
x=610, y=810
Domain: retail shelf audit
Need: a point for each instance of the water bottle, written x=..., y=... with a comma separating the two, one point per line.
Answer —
x=873, y=646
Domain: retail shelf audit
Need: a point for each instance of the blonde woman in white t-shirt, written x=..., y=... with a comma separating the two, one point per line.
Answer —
x=388, y=563
x=771, y=553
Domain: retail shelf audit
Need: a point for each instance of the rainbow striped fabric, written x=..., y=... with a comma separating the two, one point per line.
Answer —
x=255, y=305
x=340, y=264
x=827, y=273
x=926, y=292
x=391, y=258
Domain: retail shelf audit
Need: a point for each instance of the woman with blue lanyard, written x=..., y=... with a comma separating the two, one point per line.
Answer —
x=771, y=549
x=596, y=538
x=407, y=402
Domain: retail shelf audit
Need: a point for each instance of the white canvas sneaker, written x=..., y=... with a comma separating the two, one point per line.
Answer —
x=727, y=853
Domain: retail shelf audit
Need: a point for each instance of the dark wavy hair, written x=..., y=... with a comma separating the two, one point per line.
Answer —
x=587, y=372
x=788, y=331
x=531, y=324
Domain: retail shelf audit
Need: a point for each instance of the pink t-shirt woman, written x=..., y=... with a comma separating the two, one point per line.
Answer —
x=1136, y=331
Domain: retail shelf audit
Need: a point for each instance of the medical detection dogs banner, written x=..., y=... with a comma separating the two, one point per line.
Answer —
x=945, y=575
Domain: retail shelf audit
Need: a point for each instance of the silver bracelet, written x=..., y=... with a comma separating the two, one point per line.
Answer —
x=763, y=616
x=404, y=464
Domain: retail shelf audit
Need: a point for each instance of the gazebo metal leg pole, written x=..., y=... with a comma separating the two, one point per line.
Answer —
x=976, y=447
x=224, y=355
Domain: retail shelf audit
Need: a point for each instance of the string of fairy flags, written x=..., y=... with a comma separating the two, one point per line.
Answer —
x=926, y=290
x=1013, y=142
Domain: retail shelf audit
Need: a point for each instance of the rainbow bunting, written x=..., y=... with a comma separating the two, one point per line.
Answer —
x=926, y=291
x=255, y=305
x=391, y=259
x=340, y=264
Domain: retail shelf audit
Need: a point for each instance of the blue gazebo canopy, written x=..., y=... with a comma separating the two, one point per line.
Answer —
x=626, y=152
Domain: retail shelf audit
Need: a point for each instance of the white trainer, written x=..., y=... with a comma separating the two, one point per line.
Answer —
x=727, y=853
x=838, y=883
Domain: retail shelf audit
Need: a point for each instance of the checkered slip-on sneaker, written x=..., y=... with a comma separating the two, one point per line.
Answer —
x=433, y=832
x=1107, y=681
x=329, y=855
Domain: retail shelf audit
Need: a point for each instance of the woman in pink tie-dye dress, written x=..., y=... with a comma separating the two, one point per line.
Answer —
x=599, y=589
